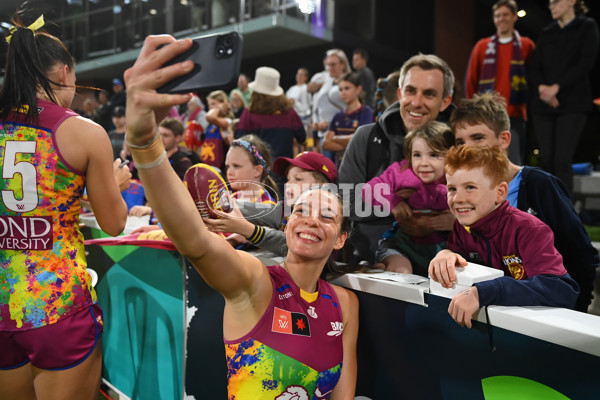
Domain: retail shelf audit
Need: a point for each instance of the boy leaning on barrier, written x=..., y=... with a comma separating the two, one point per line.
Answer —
x=483, y=121
x=490, y=232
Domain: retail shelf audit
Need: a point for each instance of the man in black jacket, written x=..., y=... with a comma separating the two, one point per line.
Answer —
x=483, y=121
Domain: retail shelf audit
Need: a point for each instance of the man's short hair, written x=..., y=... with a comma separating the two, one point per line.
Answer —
x=428, y=62
x=488, y=109
x=492, y=160
x=173, y=125
x=511, y=4
x=363, y=53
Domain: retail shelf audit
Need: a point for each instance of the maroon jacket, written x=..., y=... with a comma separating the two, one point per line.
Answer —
x=523, y=247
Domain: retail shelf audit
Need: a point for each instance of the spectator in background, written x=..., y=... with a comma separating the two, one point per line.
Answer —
x=89, y=107
x=360, y=57
x=345, y=122
x=243, y=87
x=565, y=54
x=195, y=112
x=237, y=102
x=214, y=145
x=301, y=100
x=119, y=97
x=328, y=101
x=171, y=132
x=117, y=135
x=102, y=116
x=271, y=117
x=386, y=93
x=313, y=87
x=499, y=64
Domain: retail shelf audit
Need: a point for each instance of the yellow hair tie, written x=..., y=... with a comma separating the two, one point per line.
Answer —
x=34, y=27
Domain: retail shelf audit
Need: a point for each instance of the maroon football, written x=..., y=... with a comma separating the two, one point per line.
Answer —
x=208, y=189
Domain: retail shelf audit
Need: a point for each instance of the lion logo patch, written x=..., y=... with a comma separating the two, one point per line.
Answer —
x=515, y=267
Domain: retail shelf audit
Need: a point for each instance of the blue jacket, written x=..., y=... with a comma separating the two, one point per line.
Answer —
x=543, y=195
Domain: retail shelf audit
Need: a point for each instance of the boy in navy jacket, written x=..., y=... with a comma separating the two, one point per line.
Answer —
x=490, y=232
x=483, y=121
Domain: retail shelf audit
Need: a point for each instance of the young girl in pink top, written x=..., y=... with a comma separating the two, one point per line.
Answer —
x=422, y=189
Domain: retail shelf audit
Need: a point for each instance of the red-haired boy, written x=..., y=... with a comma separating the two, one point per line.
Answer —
x=490, y=232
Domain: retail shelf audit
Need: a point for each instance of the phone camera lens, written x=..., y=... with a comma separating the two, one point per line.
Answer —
x=228, y=41
x=221, y=50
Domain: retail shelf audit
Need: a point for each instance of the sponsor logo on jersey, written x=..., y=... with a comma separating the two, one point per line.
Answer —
x=291, y=323
x=319, y=395
x=337, y=328
x=284, y=292
x=311, y=311
x=294, y=392
x=26, y=233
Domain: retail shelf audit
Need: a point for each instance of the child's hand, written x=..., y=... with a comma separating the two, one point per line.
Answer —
x=442, y=267
x=236, y=239
x=232, y=222
x=440, y=221
x=146, y=228
x=122, y=175
x=405, y=193
x=402, y=211
x=322, y=126
x=464, y=305
x=140, y=211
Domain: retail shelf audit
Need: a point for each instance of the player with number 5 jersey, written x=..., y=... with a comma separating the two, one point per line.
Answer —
x=50, y=324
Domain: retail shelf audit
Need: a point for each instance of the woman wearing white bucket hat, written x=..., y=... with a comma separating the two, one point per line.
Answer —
x=270, y=116
x=266, y=82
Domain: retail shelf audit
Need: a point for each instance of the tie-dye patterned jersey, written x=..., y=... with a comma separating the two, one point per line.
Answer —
x=294, y=352
x=42, y=259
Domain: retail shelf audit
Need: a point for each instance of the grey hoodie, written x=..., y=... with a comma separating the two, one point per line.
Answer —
x=353, y=170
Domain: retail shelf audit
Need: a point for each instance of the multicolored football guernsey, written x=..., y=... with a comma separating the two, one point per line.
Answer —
x=294, y=352
x=42, y=259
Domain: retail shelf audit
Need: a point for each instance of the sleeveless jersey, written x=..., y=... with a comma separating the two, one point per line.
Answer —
x=42, y=259
x=295, y=350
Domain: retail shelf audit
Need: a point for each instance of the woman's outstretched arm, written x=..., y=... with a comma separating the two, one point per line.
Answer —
x=234, y=274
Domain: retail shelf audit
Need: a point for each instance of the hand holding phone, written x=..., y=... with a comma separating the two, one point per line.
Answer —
x=217, y=61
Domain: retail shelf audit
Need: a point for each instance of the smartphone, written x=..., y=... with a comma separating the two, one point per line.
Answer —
x=217, y=60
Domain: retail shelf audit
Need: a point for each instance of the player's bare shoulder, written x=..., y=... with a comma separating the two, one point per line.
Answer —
x=348, y=301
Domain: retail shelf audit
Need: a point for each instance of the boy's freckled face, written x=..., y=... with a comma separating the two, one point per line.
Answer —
x=471, y=195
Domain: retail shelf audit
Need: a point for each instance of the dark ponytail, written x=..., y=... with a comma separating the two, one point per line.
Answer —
x=29, y=58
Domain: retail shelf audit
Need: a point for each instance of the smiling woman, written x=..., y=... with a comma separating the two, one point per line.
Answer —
x=266, y=316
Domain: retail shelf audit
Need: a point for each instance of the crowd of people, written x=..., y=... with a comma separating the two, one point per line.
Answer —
x=432, y=185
